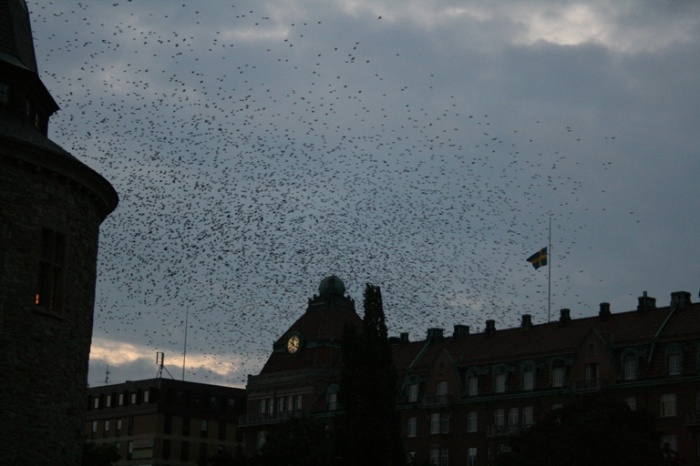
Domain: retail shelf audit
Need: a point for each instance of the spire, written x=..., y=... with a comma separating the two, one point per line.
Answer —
x=16, y=44
x=23, y=97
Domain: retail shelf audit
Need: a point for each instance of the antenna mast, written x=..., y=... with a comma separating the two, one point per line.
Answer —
x=160, y=360
x=184, y=353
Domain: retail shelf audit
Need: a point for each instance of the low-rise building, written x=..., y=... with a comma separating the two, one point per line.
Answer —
x=165, y=422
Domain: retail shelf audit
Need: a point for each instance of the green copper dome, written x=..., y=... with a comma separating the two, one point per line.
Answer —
x=331, y=285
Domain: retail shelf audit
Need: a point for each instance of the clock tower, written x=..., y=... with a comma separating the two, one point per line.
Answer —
x=301, y=375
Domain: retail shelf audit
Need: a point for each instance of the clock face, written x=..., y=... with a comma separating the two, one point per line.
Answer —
x=293, y=344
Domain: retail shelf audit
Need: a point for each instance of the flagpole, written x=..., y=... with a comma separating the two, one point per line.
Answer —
x=184, y=351
x=549, y=272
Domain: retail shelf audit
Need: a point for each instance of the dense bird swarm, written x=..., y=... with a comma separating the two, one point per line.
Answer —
x=255, y=153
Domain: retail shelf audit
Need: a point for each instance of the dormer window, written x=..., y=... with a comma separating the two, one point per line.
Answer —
x=629, y=368
x=674, y=360
x=558, y=374
x=472, y=385
x=413, y=393
x=529, y=378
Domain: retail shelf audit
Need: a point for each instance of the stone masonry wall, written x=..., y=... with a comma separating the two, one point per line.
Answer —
x=43, y=353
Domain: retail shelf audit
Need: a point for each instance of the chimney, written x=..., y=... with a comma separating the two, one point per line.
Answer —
x=526, y=323
x=460, y=331
x=604, y=313
x=646, y=302
x=434, y=334
x=680, y=299
x=490, y=327
x=403, y=338
x=564, y=316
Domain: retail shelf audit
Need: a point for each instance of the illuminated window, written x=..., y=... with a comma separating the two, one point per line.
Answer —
x=528, y=417
x=53, y=255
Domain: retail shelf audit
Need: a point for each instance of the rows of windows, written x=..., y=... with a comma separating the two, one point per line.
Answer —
x=441, y=456
x=440, y=420
x=150, y=395
x=510, y=420
x=114, y=427
x=111, y=400
x=145, y=449
x=558, y=374
x=283, y=404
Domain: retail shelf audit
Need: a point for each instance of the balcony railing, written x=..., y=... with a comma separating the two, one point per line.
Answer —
x=592, y=385
x=268, y=418
x=438, y=400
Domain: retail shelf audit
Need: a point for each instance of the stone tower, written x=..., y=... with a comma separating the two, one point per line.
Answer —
x=51, y=208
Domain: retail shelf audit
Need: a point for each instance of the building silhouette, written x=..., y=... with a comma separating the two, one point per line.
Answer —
x=462, y=396
x=300, y=378
x=51, y=208
x=165, y=422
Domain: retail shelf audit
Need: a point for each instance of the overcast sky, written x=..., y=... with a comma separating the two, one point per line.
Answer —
x=260, y=146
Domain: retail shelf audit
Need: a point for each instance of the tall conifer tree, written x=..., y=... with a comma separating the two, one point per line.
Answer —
x=369, y=432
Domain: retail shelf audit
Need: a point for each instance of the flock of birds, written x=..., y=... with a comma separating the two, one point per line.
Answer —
x=254, y=159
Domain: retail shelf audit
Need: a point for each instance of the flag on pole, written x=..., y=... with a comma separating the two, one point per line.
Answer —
x=538, y=259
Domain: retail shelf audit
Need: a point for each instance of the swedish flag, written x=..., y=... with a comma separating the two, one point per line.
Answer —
x=538, y=259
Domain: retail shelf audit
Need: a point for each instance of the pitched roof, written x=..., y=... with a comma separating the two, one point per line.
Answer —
x=321, y=331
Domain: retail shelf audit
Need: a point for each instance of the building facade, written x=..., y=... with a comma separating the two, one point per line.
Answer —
x=463, y=396
x=51, y=208
x=163, y=422
x=300, y=378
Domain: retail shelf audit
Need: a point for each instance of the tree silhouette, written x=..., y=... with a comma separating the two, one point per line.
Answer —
x=368, y=428
x=590, y=431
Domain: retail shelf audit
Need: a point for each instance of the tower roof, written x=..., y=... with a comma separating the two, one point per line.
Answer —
x=16, y=44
